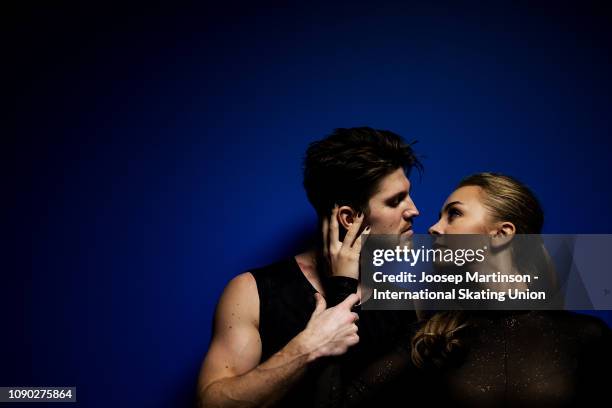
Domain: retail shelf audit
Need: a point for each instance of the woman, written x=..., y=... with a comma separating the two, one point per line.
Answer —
x=492, y=358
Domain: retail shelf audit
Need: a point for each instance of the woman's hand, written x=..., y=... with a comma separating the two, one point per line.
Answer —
x=343, y=256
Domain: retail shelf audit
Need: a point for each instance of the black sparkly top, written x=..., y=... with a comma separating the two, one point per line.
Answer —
x=522, y=359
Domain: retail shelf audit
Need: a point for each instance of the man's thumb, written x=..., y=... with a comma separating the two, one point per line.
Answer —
x=321, y=304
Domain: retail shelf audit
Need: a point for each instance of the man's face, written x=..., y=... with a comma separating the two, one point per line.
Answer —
x=391, y=208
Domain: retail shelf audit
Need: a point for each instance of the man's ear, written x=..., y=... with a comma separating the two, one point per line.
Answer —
x=346, y=216
x=502, y=233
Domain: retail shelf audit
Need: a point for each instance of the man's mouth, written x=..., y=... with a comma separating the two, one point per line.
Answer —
x=408, y=231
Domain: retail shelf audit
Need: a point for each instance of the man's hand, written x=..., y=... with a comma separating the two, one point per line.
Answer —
x=330, y=332
x=230, y=375
x=343, y=256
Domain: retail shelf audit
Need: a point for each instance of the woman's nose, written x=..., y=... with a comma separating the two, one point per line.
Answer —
x=435, y=229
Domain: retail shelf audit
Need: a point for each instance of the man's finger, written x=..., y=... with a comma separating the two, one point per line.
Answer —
x=350, y=301
x=321, y=304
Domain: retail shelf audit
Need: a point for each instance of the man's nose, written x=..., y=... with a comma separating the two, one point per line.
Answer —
x=411, y=211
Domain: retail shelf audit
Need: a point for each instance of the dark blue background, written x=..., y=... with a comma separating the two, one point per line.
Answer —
x=157, y=153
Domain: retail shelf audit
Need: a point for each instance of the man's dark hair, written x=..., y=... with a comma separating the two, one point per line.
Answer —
x=346, y=167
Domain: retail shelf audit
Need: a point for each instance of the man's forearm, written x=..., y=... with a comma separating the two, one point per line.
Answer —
x=263, y=385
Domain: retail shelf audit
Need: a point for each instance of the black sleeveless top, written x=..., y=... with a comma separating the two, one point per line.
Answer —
x=286, y=303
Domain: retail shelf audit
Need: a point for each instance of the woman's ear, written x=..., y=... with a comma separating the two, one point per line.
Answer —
x=502, y=234
x=346, y=216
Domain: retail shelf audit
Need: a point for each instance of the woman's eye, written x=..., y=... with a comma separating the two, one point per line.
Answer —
x=453, y=213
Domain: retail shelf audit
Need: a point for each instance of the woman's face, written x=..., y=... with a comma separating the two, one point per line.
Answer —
x=463, y=213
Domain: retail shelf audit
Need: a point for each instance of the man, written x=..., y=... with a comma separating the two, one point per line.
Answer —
x=267, y=342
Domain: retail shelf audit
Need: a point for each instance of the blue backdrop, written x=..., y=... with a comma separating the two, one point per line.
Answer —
x=158, y=154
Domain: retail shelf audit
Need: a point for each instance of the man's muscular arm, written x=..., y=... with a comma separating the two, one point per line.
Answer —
x=231, y=375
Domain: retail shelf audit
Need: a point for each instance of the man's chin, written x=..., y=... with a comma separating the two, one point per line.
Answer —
x=405, y=238
x=408, y=233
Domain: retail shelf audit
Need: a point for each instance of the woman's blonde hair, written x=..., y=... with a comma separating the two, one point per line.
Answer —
x=508, y=200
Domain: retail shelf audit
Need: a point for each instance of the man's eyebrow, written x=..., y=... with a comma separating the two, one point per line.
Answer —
x=398, y=194
x=404, y=191
x=447, y=206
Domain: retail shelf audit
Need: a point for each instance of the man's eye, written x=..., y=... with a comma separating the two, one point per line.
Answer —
x=395, y=202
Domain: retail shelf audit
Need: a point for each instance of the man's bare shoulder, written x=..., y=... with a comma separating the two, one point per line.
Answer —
x=240, y=299
x=236, y=345
x=242, y=282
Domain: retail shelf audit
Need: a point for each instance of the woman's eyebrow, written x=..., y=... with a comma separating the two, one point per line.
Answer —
x=447, y=206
